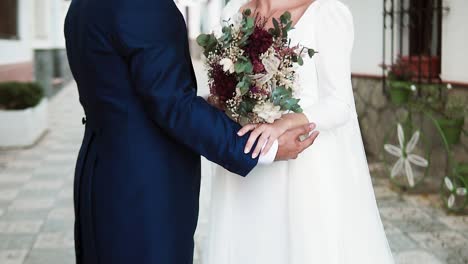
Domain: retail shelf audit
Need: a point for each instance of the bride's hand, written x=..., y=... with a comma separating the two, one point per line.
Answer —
x=266, y=135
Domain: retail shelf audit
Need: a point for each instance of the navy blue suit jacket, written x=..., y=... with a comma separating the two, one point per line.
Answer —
x=138, y=172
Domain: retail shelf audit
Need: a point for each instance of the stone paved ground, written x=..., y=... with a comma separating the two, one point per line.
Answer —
x=36, y=202
x=36, y=216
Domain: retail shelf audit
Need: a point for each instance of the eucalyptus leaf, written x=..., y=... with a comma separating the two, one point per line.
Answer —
x=244, y=85
x=277, y=27
x=239, y=67
x=300, y=60
x=294, y=58
x=285, y=33
x=246, y=107
x=288, y=26
x=244, y=40
x=289, y=103
x=227, y=29
x=281, y=91
x=248, y=67
x=249, y=23
x=286, y=17
x=202, y=39
x=311, y=52
x=296, y=109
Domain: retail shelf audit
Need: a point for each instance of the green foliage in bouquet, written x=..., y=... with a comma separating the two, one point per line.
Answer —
x=284, y=98
x=208, y=42
x=251, y=70
x=243, y=66
x=17, y=96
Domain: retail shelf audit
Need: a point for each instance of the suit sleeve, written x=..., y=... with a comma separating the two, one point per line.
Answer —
x=334, y=34
x=161, y=72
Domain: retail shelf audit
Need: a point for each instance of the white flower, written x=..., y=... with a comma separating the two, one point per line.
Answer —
x=238, y=92
x=268, y=111
x=460, y=191
x=405, y=157
x=449, y=86
x=218, y=31
x=413, y=88
x=271, y=64
x=228, y=65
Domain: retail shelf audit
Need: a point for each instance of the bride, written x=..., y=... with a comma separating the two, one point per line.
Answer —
x=319, y=208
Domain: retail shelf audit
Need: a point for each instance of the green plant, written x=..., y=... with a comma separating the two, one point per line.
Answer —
x=432, y=96
x=399, y=81
x=400, y=91
x=455, y=108
x=18, y=95
x=462, y=170
x=453, y=120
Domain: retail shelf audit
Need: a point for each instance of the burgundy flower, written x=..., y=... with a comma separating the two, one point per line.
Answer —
x=254, y=89
x=258, y=66
x=287, y=51
x=258, y=90
x=224, y=85
x=259, y=42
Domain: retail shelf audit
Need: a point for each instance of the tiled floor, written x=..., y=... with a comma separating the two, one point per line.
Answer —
x=36, y=202
x=36, y=215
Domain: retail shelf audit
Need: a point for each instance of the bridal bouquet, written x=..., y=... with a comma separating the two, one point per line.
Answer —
x=252, y=72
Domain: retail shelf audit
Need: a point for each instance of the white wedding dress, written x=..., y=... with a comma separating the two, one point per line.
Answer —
x=319, y=208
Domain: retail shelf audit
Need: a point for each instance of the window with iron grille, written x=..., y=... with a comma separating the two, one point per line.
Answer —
x=412, y=35
x=8, y=19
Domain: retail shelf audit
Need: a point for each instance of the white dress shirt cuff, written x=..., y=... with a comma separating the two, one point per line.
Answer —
x=269, y=157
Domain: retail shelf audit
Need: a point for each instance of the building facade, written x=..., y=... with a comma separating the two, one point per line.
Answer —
x=449, y=40
x=453, y=35
x=32, y=46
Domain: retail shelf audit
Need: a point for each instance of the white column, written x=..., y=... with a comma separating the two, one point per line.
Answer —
x=455, y=41
x=42, y=29
x=49, y=17
x=194, y=22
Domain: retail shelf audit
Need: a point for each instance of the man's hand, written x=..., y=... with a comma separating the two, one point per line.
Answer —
x=290, y=144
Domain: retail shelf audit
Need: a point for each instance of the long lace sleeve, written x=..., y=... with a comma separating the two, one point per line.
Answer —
x=334, y=36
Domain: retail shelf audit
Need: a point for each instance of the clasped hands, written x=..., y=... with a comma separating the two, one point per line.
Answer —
x=289, y=131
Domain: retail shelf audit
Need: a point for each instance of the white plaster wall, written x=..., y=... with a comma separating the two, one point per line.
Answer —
x=455, y=42
x=49, y=17
x=367, y=52
x=212, y=14
x=197, y=14
x=17, y=51
x=40, y=24
x=195, y=21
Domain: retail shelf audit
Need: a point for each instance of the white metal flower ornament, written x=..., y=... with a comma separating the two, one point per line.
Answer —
x=405, y=157
x=453, y=192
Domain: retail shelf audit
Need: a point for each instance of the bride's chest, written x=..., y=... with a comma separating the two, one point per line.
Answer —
x=307, y=73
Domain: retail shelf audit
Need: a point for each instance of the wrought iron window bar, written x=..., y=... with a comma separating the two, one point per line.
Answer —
x=412, y=31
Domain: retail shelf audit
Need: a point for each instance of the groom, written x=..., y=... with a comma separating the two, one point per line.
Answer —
x=137, y=177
